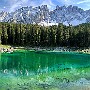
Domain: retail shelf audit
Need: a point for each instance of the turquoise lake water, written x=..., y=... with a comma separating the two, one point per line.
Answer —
x=42, y=68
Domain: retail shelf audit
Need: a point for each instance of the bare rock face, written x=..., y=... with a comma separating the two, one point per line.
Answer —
x=3, y=15
x=41, y=14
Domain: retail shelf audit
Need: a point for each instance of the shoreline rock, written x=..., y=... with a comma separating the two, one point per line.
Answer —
x=54, y=49
x=6, y=50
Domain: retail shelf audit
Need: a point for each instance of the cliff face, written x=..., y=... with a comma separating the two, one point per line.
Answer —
x=42, y=15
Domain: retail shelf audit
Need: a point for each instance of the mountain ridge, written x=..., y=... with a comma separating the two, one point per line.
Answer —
x=43, y=16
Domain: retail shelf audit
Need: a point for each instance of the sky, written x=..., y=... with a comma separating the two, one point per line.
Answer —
x=12, y=5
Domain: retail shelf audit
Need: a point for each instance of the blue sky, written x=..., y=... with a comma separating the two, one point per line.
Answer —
x=12, y=5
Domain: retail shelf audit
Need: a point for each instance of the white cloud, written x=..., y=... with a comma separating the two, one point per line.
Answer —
x=83, y=1
x=4, y=7
x=48, y=3
x=66, y=2
x=16, y=4
x=20, y=3
x=12, y=5
x=73, y=2
x=84, y=4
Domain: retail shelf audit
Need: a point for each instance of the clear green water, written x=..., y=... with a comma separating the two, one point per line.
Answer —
x=31, y=70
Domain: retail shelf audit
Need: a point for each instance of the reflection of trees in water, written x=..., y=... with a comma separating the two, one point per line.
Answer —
x=4, y=62
x=26, y=63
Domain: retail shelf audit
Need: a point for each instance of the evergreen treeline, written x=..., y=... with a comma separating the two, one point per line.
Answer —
x=35, y=35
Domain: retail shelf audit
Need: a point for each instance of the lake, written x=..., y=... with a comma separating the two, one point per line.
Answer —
x=44, y=70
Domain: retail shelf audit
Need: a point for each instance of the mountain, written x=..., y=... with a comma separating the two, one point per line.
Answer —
x=3, y=15
x=43, y=16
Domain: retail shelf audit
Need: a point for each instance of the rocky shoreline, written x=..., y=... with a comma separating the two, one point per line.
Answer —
x=60, y=49
x=54, y=49
x=6, y=50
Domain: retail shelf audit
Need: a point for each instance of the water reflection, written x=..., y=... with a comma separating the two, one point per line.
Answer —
x=30, y=63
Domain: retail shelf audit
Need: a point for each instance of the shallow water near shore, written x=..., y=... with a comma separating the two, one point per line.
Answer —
x=34, y=70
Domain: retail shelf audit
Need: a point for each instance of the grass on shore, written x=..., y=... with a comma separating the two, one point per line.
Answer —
x=5, y=46
x=8, y=47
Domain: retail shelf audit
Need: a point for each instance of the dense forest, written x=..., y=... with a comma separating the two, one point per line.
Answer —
x=36, y=35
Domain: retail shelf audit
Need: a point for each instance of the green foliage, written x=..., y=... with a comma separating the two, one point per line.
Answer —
x=36, y=35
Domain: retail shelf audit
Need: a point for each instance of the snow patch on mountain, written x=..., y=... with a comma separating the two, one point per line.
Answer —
x=43, y=16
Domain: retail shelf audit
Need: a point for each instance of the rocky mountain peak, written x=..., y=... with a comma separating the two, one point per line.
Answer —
x=41, y=14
